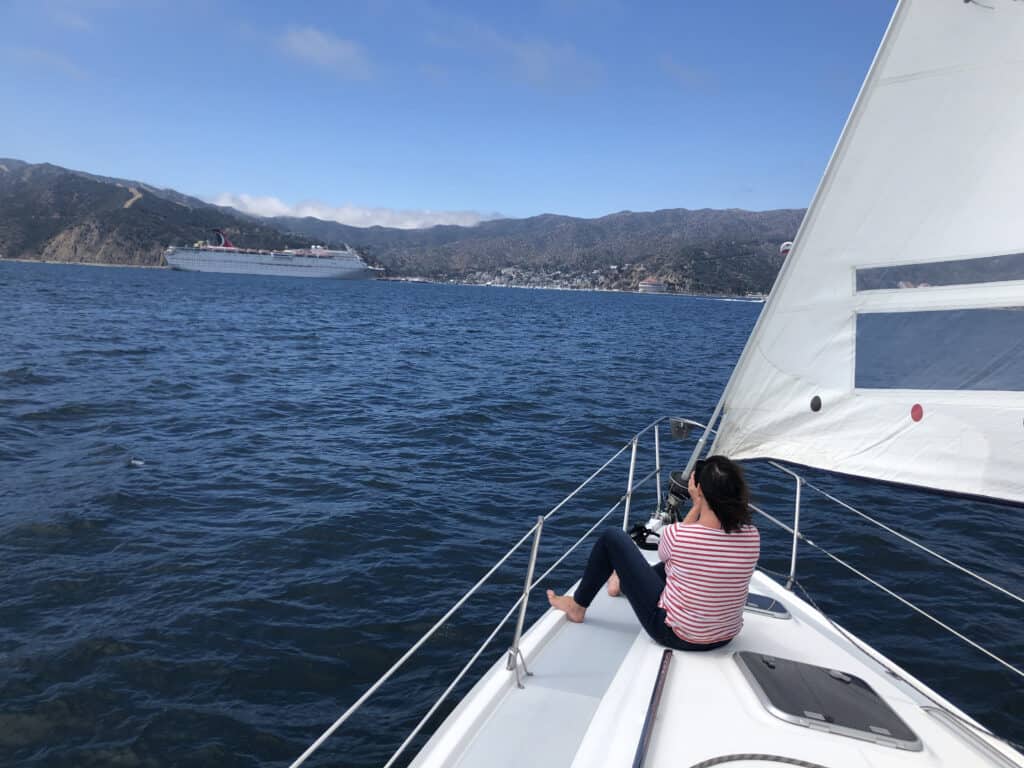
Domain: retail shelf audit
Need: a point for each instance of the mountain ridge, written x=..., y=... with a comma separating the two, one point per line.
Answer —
x=57, y=214
x=52, y=213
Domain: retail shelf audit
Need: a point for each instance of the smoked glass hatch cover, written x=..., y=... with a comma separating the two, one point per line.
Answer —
x=824, y=699
x=767, y=606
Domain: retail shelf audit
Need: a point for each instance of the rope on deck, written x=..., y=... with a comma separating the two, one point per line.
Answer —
x=754, y=756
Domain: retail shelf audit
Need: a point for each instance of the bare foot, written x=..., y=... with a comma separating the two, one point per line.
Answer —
x=573, y=610
x=613, y=585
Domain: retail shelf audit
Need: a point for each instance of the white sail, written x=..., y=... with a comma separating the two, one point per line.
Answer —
x=892, y=346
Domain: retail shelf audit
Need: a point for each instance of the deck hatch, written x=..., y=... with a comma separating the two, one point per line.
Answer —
x=824, y=699
x=766, y=606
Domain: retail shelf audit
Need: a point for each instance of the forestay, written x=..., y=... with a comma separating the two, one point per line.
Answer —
x=892, y=346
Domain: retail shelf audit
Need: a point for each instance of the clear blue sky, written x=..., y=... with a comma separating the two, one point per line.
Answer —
x=580, y=107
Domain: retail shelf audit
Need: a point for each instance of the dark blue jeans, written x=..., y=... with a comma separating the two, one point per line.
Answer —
x=641, y=583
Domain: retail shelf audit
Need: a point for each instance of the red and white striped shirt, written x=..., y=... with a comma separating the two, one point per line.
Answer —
x=707, y=577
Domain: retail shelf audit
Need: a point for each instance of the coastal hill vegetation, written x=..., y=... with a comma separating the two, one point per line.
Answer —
x=55, y=214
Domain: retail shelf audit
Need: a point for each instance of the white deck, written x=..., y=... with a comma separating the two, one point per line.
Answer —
x=587, y=699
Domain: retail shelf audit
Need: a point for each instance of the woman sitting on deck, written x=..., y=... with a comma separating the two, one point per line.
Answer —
x=693, y=599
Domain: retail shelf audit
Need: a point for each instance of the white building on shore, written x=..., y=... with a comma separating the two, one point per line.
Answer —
x=652, y=285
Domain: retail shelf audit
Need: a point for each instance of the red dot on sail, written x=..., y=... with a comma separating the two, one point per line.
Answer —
x=917, y=412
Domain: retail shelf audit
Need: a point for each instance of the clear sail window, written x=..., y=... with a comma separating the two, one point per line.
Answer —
x=961, y=349
x=989, y=269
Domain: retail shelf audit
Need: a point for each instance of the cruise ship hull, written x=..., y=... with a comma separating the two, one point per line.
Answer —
x=268, y=263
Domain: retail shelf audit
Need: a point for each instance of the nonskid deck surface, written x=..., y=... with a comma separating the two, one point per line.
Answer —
x=549, y=717
x=587, y=699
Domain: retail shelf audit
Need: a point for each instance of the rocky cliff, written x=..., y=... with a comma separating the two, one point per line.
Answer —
x=56, y=214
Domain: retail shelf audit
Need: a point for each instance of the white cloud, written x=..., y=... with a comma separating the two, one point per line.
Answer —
x=80, y=15
x=590, y=8
x=542, y=62
x=39, y=60
x=340, y=57
x=351, y=214
x=688, y=77
x=538, y=62
x=71, y=20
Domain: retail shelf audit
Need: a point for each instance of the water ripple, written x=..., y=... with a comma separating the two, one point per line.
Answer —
x=220, y=527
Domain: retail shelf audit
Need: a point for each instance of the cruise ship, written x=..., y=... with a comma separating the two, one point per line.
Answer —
x=223, y=256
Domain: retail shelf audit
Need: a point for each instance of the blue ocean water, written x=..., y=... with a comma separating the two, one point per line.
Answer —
x=229, y=503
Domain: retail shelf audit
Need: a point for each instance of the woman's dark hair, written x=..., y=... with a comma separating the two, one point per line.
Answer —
x=721, y=481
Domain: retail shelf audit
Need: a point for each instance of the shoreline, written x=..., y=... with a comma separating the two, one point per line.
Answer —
x=82, y=263
x=717, y=296
x=428, y=281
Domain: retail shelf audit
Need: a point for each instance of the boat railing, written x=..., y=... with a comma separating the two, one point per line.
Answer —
x=515, y=656
x=680, y=429
x=791, y=580
x=800, y=481
x=799, y=536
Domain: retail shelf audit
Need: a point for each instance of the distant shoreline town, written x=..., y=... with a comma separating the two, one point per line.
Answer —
x=55, y=214
x=479, y=281
x=559, y=281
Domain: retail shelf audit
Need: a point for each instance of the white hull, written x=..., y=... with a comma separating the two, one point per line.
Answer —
x=280, y=264
x=587, y=700
x=585, y=703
